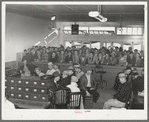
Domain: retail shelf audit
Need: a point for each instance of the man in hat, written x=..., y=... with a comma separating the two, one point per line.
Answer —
x=78, y=71
x=50, y=70
x=70, y=70
x=122, y=88
x=88, y=83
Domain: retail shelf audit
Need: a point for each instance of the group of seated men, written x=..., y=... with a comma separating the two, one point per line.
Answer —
x=84, y=55
x=73, y=78
x=127, y=83
x=78, y=80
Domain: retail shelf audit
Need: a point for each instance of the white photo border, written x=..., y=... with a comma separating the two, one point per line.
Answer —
x=37, y=114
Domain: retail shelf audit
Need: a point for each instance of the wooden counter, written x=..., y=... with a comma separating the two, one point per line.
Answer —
x=109, y=76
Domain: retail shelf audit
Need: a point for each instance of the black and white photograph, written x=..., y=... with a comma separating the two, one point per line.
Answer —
x=74, y=60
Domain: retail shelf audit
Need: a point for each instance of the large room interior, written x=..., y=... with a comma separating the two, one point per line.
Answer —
x=28, y=25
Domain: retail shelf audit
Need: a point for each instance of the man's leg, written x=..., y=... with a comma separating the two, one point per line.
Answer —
x=93, y=92
x=113, y=103
x=83, y=95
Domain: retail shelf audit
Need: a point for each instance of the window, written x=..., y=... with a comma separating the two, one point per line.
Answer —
x=119, y=32
x=95, y=45
x=126, y=47
x=140, y=31
x=103, y=28
x=91, y=30
x=108, y=44
x=138, y=47
x=116, y=45
x=135, y=31
x=83, y=28
x=129, y=31
x=124, y=31
x=68, y=44
x=67, y=28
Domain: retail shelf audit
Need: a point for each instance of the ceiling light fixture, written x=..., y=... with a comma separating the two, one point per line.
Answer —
x=97, y=15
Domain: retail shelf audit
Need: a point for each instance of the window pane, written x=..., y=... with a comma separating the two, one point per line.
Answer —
x=103, y=28
x=116, y=44
x=108, y=44
x=104, y=44
x=135, y=31
x=95, y=45
x=67, y=28
x=68, y=44
x=126, y=47
x=124, y=31
x=138, y=47
x=76, y=43
x=83, y=28
x=119, y=31
x=140, y=31
x=129, y=31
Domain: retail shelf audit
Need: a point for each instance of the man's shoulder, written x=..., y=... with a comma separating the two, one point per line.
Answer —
x=127, y=84
x=83, y=76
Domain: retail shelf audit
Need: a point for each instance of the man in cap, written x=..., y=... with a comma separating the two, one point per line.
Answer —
x=78, y=71
x=122, y=88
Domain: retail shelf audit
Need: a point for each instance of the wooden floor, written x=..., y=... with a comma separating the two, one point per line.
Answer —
x=105, y=95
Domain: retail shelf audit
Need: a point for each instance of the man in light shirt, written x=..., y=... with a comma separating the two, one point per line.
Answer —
x=50, y=70
x=88, y=83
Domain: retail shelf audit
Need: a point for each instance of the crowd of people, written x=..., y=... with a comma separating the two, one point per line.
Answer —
x=77, y=80
x=84, y=55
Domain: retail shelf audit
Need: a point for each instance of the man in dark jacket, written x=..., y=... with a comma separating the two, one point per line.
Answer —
x=64, y=81
x=88, y=84
x=123, y=88
x=138, y=83
x=54, y=58
x=131, y=60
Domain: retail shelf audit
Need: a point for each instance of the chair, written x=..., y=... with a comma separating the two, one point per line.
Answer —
x=75, y=100
x=137, y=102
x=99, y=69
x=61, y=98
